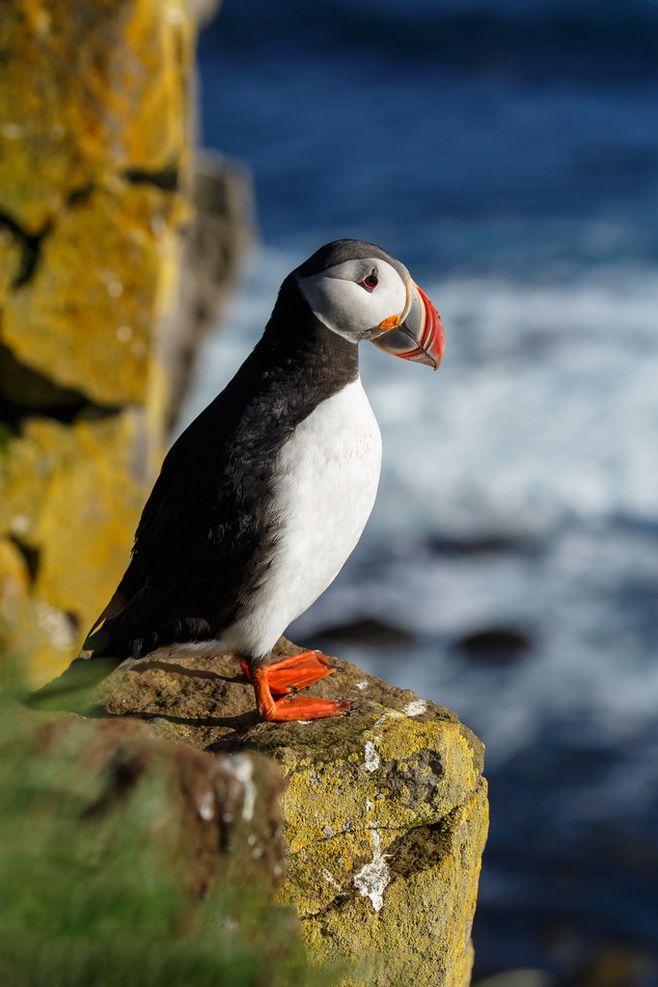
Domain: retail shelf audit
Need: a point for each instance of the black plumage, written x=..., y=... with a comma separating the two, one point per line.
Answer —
x=206, y=534
x=262, y=499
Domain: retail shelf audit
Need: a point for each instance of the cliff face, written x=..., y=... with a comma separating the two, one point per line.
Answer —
x=97, y=218
x=385, y=812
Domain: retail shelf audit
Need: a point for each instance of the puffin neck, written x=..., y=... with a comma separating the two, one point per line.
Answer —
x=296, y=339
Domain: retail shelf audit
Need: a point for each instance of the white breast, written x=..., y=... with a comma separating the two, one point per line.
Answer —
x=327, y=476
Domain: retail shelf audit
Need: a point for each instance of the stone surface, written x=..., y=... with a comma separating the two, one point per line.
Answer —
x=11, y=259
x=87, y=316
x=385, y=811
x=215, y=243
x=227, y=806
x=31, y=630
x=70, y=495
x=89, y=89
x=221, y=812
x=128, y=860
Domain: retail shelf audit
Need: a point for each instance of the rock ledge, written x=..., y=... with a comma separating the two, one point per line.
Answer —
x=385, y=812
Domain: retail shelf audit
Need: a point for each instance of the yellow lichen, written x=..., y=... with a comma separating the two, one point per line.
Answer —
x=86, y=318
x=337, y=791
x=353, y=820
x=10, y=260
x=95, y=153
x=74, y=494
x=32, y=633
x=421, y=933
x=86, y=92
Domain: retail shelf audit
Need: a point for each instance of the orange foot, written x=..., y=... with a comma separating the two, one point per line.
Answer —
x=295, y=672
x=295, y=707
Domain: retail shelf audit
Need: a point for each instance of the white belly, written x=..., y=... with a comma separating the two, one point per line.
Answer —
x=327, y=476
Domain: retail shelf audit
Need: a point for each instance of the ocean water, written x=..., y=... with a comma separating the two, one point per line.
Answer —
x=509, y=155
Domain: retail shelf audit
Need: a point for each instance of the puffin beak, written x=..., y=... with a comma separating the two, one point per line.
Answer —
x=416, y=334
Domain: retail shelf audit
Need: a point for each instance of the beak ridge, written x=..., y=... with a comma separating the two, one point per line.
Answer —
x=419, y=335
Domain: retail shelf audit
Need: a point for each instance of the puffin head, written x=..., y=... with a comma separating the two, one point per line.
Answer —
x=360, y=292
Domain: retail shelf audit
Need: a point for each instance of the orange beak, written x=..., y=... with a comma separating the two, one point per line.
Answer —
x=417, y=334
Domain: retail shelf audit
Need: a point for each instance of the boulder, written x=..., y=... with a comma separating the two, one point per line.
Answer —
x=129, y=859
x=385, y=811
x=227, y=806
x=495, y=645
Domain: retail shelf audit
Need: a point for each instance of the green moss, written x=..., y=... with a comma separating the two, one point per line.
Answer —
x=92, y=884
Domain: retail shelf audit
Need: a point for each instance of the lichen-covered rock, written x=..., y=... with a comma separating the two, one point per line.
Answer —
x=227, y=807
x=89, y=89
x=11, y=258
x=71, y=496
x=86, y=317
x=33, y=633
x=97, y=337
x=95, y=153
x=385, y=811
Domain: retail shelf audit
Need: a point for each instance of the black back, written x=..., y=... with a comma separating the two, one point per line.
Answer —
x=206, y=534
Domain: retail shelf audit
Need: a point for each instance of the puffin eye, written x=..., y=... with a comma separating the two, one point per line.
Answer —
x=371, y=282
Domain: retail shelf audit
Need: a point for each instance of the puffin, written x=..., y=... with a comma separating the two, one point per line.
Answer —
x=262, y=499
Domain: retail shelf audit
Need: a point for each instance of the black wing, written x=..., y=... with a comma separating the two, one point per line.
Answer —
x=204, y=533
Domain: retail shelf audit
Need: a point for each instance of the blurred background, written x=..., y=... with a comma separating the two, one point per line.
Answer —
x=508, y=154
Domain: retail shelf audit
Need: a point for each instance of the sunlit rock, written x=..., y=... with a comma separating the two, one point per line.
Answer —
x=385, y=812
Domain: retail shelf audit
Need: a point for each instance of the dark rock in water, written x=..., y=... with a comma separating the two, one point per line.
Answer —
x=367, y=630
x=493, y=543
x=517, y=978
x=495, y=645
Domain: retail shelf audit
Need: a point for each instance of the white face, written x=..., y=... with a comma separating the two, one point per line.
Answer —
x=355, y=297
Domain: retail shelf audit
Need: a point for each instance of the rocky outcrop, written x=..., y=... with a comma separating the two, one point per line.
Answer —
x=100, y=212
x=130, y=859
x=226, y=807
x=385, y=812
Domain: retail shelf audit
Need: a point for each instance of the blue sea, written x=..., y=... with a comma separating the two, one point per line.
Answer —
x=508, y=154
